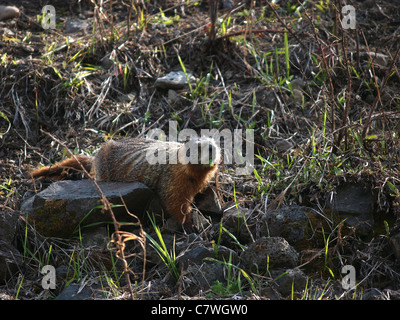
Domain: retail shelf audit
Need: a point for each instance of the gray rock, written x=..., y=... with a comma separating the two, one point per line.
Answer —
x=373, y=294
x=203, y=277
x=395, y=242
x=228, y=4
x=281, y=255
x=8, y=12
x=174, y=80
x=283, y=145
x=107, y=61
x=298, y=84
x=152, y=255
x=58, y=210
x=294, y=223
x=290, y=280
x=8, y=223
x=234, y=221
x=74, y=26
x=96, y=238
x=354, y=203
x=173, y=96
x=377, y=58
x=10, y=258
x=298, y=95
x=75, y=292
x=196, y=255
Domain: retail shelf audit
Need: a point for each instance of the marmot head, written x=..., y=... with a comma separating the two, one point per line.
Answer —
x=200, y=151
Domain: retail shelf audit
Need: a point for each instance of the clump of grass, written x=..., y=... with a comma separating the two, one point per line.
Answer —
x=167, y=256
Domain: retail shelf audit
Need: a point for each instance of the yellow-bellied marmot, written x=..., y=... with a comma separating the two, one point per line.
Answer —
x=175, y=171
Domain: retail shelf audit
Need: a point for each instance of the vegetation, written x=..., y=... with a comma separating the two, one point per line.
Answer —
x=322, y=100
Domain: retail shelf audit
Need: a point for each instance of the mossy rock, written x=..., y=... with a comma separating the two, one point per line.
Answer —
x=299, y=225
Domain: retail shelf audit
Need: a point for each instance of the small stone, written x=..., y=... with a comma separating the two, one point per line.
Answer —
x=106, y=62
x=75, y=292
x=173, y=96
x=196, y=255
x=271, y=252
x=203, y=277
x=234, y=218
x=10, y=261
x=297, y=84
x=174, y=80
x=8, y=12
x=228, y=4
x=283, y=145
x=298, y=95
x=8, y=33
x=207, y=202
x=377, y=58
x=354, y=203
x=73, y=26
x=290, y=280
x=126, y=97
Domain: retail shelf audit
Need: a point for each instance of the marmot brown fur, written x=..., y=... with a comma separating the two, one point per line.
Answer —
x=175, y=171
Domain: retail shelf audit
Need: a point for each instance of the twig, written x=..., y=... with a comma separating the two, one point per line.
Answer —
x=240, y=32
x=378, y=97
x=349, y=88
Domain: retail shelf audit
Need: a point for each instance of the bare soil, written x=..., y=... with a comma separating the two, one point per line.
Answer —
x=89, y=86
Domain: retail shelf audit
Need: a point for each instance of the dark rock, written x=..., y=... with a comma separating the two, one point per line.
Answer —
x=372, y=294
x=152, y=255
x=207, y=203
x=290, y=280
x=75, y=292
x=203, y=277
x=270, y=293
x=8, y=223
x=377, y=58
x=10, y=258
x=354, y=203
x=96, y=238
x=298, y=84
x=395, y=242
x=281, y=255
x=228, y=4
x=58, y=210
x=196, y=255
x=283, y=146
x=294, y=223
x=385, y=294
x=234, y=221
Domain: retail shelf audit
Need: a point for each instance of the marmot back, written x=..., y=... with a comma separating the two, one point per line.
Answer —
x=175, y=171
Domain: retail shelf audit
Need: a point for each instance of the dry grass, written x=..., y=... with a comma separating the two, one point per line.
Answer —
x=89, y=87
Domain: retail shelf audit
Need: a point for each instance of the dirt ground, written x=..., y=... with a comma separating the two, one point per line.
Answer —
x=323, y=101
